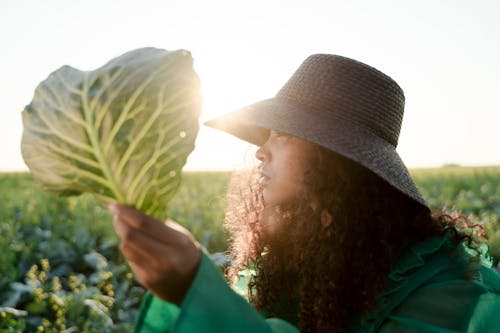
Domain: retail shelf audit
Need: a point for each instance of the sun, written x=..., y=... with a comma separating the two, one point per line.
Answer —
x=227, y=84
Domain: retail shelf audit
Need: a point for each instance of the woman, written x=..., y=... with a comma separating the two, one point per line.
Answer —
x=329, y=235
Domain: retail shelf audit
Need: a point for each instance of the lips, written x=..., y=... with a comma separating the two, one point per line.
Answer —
x=264, y=178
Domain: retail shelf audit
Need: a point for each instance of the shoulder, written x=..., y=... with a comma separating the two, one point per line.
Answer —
x=457, y=305
x=446, y=290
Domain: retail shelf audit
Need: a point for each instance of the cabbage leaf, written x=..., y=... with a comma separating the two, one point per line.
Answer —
x=122, y=132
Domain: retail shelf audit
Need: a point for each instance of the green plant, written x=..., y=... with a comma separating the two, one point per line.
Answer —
x=121, y=132
x=60, y=250
x=74, y=303
x=473, y=191
x=74, y=235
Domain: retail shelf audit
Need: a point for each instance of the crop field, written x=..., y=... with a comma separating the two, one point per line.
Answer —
x=60, y=270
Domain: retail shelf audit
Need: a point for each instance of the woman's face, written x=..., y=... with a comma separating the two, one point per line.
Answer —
x=284, y=160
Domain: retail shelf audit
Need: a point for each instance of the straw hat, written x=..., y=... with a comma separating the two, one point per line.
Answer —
x=338, y=103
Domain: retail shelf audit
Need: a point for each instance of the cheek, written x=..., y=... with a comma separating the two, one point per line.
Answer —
x=288, y=166
x=282, y=188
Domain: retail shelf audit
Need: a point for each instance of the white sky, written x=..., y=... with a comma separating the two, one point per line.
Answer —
x=444, y=54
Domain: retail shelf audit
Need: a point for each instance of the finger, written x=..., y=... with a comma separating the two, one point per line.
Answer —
x=151, y=261
x=134, y=255
x=141, y=275
x=150, y=282
x=137, y=246
x=176, y=227
x=156, y=255
x=119, y=226
x=131, y=247
x=144, y=223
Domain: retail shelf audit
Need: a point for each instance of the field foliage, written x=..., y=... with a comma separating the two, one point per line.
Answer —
x=60, y=270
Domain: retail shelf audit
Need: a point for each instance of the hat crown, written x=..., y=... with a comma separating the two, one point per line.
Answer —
x=350, y=92
x=340, y=104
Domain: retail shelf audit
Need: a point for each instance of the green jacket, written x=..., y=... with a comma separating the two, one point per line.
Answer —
x=427, y=292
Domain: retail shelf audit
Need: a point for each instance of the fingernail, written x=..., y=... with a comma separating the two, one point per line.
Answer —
x=113, y=208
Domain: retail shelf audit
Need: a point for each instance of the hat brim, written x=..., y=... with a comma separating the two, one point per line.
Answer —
x=252, y=123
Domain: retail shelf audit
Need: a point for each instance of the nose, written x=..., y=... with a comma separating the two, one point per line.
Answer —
x=261, y=153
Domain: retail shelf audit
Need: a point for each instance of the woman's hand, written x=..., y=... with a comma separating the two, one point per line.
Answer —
x=163, y=256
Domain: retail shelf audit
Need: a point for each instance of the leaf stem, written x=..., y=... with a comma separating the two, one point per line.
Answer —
x=93, y=136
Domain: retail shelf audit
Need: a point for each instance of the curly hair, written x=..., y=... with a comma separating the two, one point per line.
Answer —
x=335, y=245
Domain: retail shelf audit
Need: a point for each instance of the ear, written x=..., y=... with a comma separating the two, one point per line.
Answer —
x=326, y=218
